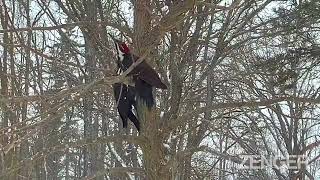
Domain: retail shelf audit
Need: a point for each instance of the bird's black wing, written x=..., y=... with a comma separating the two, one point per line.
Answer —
x=145, y=72
x=134, y=119
x=144, y=93
x=125, y=99
x=120, y=93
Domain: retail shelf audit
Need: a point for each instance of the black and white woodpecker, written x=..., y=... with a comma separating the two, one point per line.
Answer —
x=143, y=76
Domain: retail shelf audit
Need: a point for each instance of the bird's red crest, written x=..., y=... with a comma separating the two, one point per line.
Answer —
x=124, y=48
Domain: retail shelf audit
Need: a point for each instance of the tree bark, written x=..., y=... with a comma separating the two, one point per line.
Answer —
x=153, y=149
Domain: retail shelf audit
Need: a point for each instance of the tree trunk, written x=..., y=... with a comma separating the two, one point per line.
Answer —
x=153, y=149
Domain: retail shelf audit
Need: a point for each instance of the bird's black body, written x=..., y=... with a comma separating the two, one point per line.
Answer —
x=125, y=98
x=144, y=79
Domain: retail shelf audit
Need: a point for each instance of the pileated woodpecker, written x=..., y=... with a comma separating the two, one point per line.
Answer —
x=144, y=78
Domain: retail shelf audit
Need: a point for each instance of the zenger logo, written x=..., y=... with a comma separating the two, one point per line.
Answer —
x=292, y=162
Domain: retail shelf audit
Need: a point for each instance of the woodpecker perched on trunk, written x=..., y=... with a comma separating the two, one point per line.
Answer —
x=143, y=75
